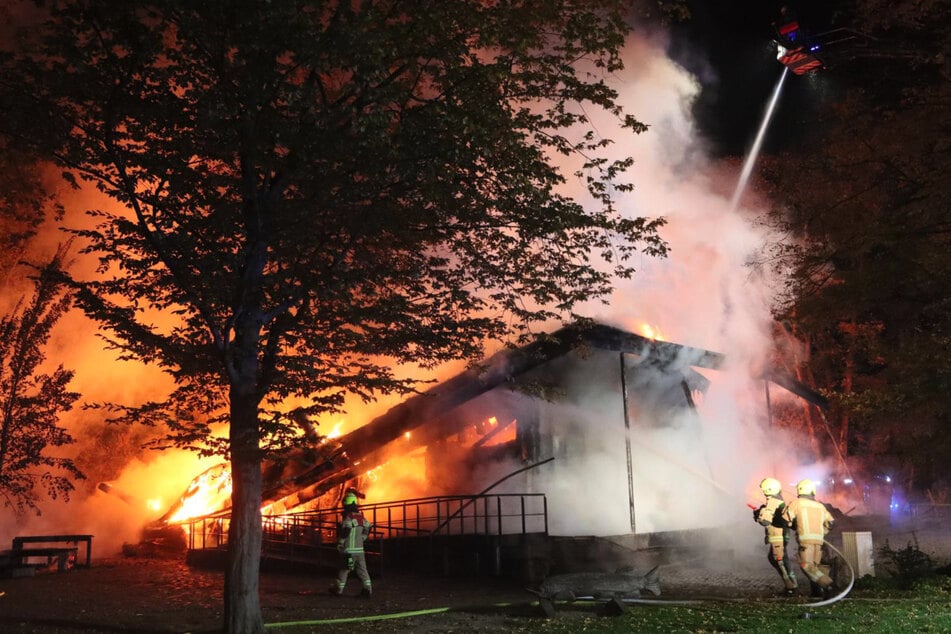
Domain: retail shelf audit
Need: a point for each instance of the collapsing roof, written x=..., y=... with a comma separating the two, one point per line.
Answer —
x=312, y=472
x=429, y=408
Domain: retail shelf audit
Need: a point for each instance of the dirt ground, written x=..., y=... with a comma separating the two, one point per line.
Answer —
x=136, y=594
x=166, y=595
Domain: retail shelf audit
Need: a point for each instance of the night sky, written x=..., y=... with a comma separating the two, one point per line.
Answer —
x=728, y=45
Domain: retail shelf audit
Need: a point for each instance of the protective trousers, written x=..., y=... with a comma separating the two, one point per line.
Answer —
x=359, y=567
x=779, y=559
x=810, y=555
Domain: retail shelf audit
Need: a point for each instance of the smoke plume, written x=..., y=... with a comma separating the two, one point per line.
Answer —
x=700, y=470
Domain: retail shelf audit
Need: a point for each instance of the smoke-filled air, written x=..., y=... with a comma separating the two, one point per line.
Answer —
x=692, y=467
x=695, y=468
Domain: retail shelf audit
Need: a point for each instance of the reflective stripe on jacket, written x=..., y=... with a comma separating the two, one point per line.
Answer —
x=812, y=519
x=774, y=534
x=352, y=532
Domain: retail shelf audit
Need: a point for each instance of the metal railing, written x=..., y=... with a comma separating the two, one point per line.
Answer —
x=209, y=532
x=500, y=514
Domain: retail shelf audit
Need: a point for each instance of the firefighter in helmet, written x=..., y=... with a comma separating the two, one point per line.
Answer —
x=812, y=522
x=769, y=514
x=352, y=531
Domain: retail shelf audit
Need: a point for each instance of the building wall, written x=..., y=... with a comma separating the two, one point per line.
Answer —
x=590, y=483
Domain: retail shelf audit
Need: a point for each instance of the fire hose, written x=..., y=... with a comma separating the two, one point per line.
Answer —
x=440, y=610
x=841, y=595
x=638, y=601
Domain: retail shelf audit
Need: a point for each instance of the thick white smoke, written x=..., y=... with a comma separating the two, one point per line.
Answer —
x=699, y=472
x=702, y=470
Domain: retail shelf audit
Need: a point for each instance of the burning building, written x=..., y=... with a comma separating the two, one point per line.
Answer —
x=605, y=424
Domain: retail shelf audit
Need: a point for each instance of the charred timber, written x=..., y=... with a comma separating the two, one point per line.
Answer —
x=361, y=449
x=505, y=366
x=310, y=472
x=807, y=394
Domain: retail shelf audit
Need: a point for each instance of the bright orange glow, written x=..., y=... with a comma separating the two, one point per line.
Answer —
x=274, y=521
x=507, y=434
x=209, y=492
x=373, y=474
x=651, y=332
x=399, y=478
x=336, y=431
x=154, y=504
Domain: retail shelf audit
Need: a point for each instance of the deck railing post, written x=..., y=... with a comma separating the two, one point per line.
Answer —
x=498, y=513
x=522, y=502
x=545, y=510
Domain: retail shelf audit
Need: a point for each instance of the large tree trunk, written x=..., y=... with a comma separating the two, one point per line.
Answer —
x=242, y=601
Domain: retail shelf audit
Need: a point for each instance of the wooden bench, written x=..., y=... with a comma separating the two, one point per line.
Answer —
x=69, y=548
x=61, y=556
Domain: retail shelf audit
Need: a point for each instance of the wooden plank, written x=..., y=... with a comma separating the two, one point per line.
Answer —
x=33, y=539
x=43, y=552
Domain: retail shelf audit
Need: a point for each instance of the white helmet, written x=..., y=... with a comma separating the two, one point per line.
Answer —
x=770, y=486
x=806, y=487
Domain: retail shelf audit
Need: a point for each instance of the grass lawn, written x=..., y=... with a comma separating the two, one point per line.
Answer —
x=873, y=606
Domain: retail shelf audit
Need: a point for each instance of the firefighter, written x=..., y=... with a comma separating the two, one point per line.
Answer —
x=812, y=522
x=769, y=515
x=352, y=531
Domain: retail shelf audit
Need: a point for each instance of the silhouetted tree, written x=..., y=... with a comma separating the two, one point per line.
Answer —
x=317, y=191
x=31, y=401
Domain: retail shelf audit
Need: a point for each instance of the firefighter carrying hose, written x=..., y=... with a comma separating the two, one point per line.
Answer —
x=812, y=521
x=770, y=515
x=352, y=531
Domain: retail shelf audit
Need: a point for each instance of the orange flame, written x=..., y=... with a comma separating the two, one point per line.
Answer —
x=208, y=493
x=337, y=429
x=651, y=332
x=402, y=475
